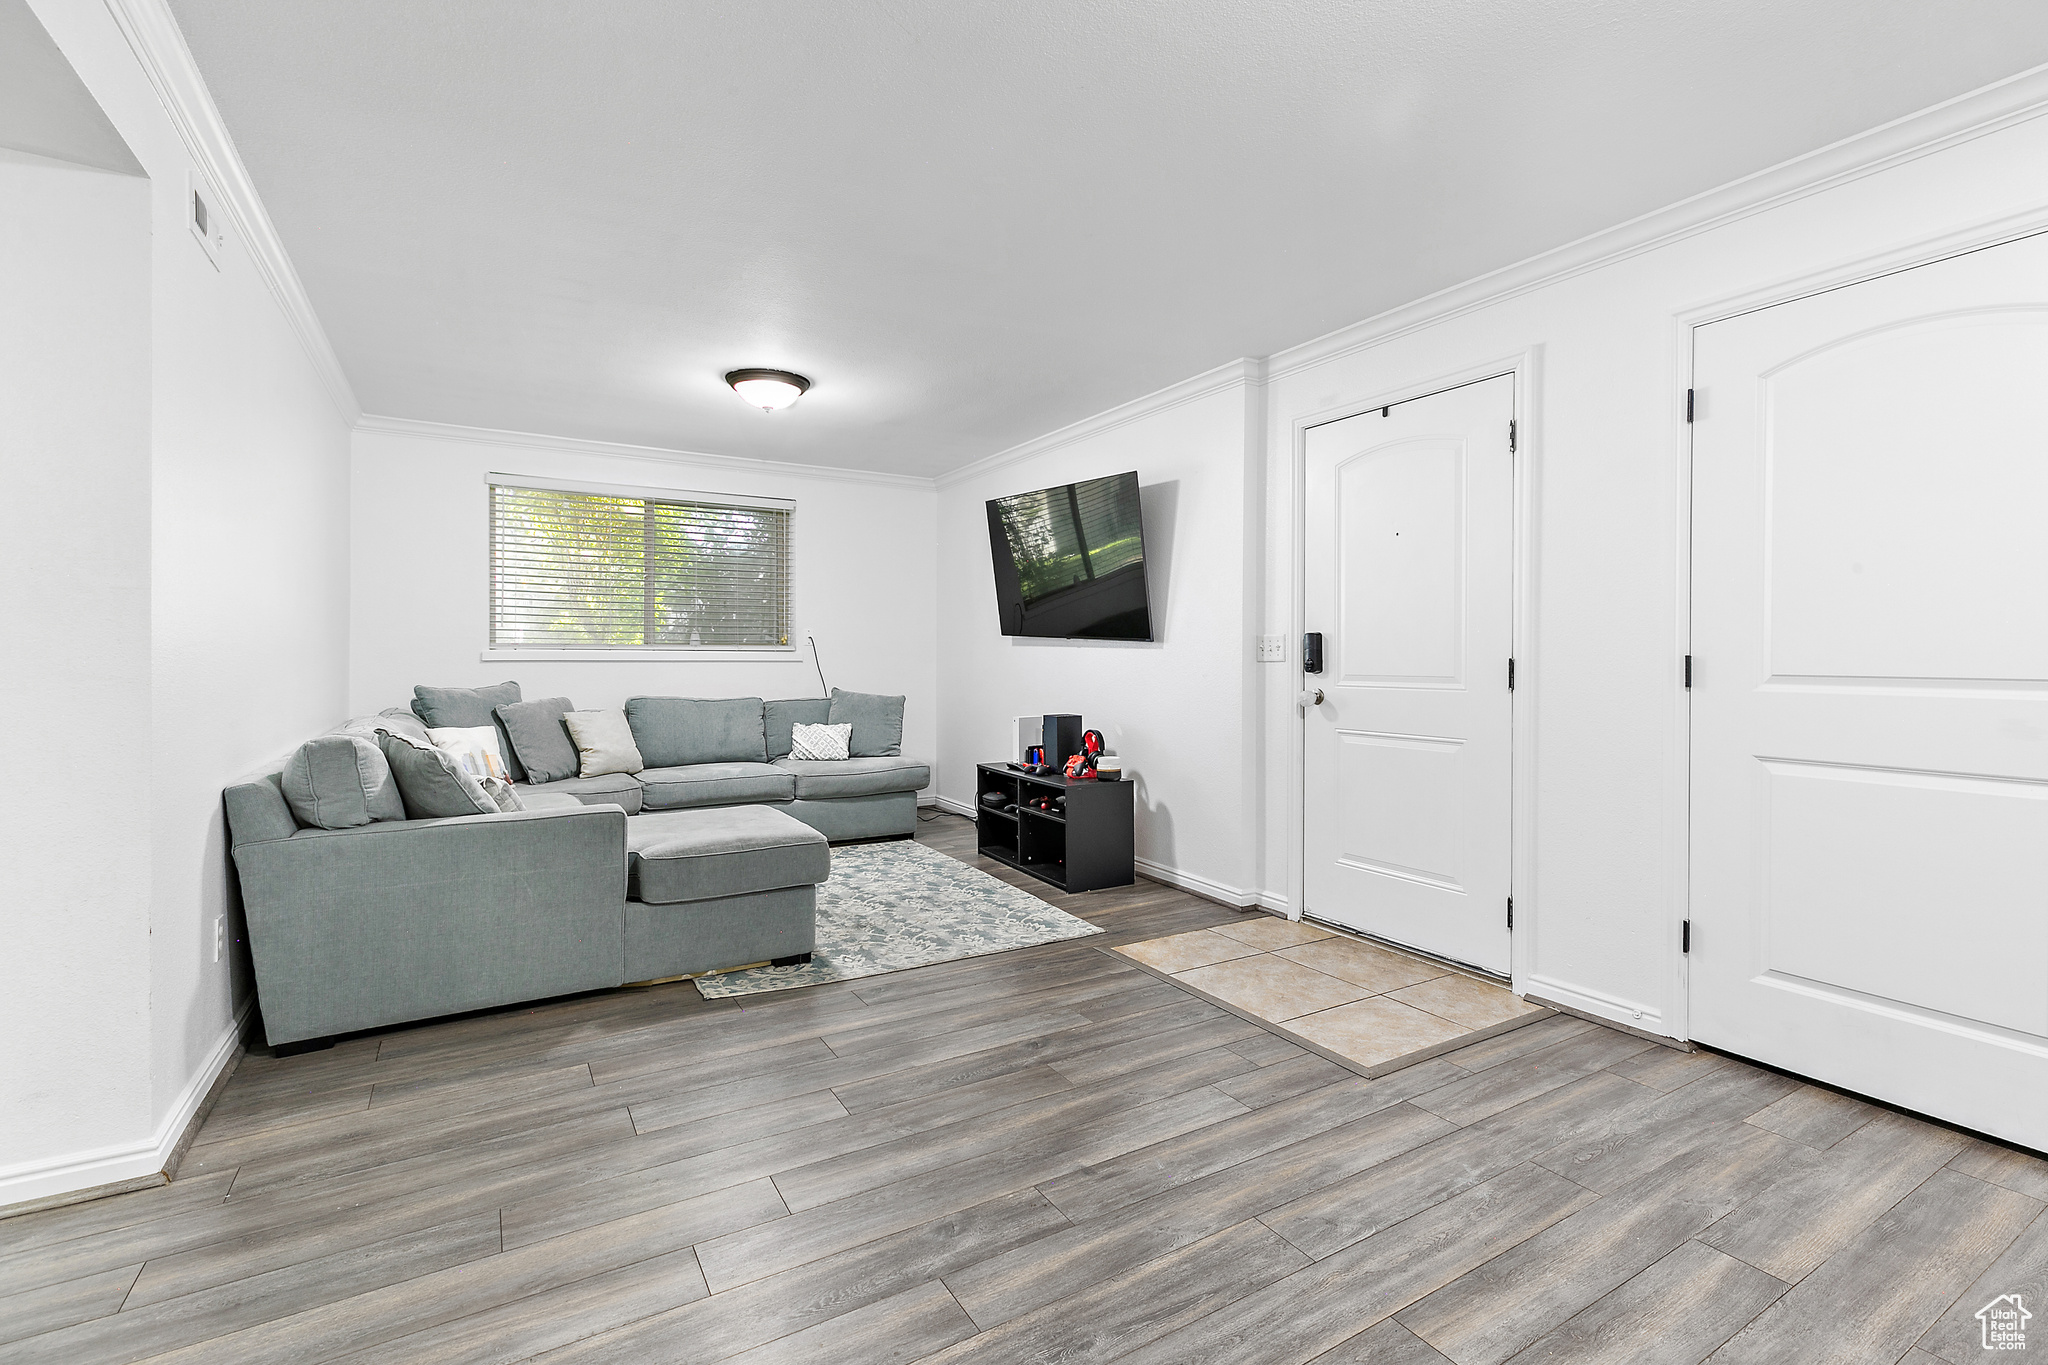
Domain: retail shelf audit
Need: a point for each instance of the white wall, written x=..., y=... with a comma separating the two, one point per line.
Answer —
x=241, y=488
x=75, y=472
x=1174, y=709
x=421, y=576
x=1598, y=677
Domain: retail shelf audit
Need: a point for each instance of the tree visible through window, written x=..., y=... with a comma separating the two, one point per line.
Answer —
x=576, y=570
x=1063, y=537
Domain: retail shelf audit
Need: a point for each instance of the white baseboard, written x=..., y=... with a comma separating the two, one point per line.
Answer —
x=1208, y=888
x=1637, y=1018
x=1205, y=887
x=127, y=1164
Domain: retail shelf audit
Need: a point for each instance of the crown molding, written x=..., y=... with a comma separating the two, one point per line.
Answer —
x=572, y=445
x=2008, y=102
x=1239, y=373
x=153, y=35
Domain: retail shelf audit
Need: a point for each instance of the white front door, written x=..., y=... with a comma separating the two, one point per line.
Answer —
x=1406, y=762
x=1870, y=688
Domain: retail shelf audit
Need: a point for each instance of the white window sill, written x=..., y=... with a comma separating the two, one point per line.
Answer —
x=643, y=656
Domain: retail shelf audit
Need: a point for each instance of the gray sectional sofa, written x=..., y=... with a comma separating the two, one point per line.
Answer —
x=706, y=860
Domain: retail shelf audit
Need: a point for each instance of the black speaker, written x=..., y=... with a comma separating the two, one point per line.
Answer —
x=1062, y=739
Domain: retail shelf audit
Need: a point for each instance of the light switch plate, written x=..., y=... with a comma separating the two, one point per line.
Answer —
x=1272, y=649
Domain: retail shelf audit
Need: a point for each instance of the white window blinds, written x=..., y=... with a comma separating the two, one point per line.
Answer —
x=586, y=570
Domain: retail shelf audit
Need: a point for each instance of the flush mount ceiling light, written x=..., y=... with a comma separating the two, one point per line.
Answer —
x=768, y=389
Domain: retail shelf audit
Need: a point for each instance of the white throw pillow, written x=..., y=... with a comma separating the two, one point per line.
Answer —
x=475, y=750
x=820, y=743
x=604, y=743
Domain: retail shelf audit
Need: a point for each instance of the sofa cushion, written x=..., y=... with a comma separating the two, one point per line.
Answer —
x=715, y=784
x=693, y=855
x=674, y=732
x=433, y=785
x=855, y=777
x=877, y=722
x=539, y=740
x=604, y=743
x=467, y=707
x=398, y=720
x=780, y=716
x=341, y=781
x=821, y=743
x=612, y=789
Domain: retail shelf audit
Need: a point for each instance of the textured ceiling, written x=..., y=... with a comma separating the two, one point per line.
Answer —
x=971, y=223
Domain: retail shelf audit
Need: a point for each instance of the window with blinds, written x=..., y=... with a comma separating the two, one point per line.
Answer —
x=586, y=570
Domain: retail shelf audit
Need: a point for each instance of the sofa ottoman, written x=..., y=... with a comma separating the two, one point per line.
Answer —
x=720, y=887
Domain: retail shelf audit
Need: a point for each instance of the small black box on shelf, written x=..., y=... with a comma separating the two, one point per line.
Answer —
x=1062, y=739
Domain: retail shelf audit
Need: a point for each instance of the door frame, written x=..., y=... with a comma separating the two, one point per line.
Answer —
x=1524, y=366
x=1685, y=323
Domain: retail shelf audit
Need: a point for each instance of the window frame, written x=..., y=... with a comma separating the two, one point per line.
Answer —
x=506, y=653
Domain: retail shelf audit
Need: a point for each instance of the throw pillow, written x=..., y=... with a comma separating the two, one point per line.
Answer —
x=340, y=782
x=539, y=741
x=820, y=743
x=877, y=722
x=781, y=715
x=604, y=743
x=475, y=749
x=463, y=708
x=433, y=785
x=500, y=791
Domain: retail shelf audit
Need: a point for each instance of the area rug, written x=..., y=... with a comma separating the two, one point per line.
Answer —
x=891, y=906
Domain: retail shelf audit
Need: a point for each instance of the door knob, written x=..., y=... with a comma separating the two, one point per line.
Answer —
x=1312, y=697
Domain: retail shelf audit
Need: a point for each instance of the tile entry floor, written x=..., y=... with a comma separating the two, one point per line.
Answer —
x=1368, y=1005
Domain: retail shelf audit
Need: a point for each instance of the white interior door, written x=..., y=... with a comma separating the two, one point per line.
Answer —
x=1407, y=761
x=1870, y=698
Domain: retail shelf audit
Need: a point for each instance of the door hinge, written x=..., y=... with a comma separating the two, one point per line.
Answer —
x=1685, y=936
x=1511, y=435
x=1688, y=672
x=1688, y=405
x=1511, y=912
x=1511, y=675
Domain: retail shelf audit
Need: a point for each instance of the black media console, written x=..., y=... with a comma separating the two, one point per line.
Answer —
x=1085, y=847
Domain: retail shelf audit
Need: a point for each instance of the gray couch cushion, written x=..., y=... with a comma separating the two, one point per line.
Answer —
x=339, y=782
x=613, y=789
x=433, y=786
x=855, y=777
x=674, y=732
x=466, y=708
x=693, y=855
x=714, y=784
x=539, y=741
x=398, y=720
x=877, y=722
x=779, y=716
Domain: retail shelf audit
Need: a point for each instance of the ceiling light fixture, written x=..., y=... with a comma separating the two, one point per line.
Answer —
x=768, y=389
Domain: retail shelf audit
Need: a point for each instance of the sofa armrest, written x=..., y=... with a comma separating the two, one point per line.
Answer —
x=408, y=919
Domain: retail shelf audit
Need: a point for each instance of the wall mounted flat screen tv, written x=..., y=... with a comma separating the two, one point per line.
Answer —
x=1070, y=561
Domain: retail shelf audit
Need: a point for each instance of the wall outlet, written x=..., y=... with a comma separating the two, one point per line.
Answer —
x=220, y=936
x=1272, y=649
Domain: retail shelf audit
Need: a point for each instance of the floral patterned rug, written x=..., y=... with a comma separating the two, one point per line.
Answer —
x=891, y=906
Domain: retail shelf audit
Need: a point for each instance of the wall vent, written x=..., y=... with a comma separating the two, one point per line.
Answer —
x=202, y=217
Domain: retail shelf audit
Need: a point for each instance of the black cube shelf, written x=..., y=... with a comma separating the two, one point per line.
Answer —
x=1086, y=848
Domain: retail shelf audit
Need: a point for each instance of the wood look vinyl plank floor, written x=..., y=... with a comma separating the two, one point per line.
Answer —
x=1046, y=1154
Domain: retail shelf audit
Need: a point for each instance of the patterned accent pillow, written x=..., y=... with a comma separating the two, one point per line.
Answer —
x=820, y=743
